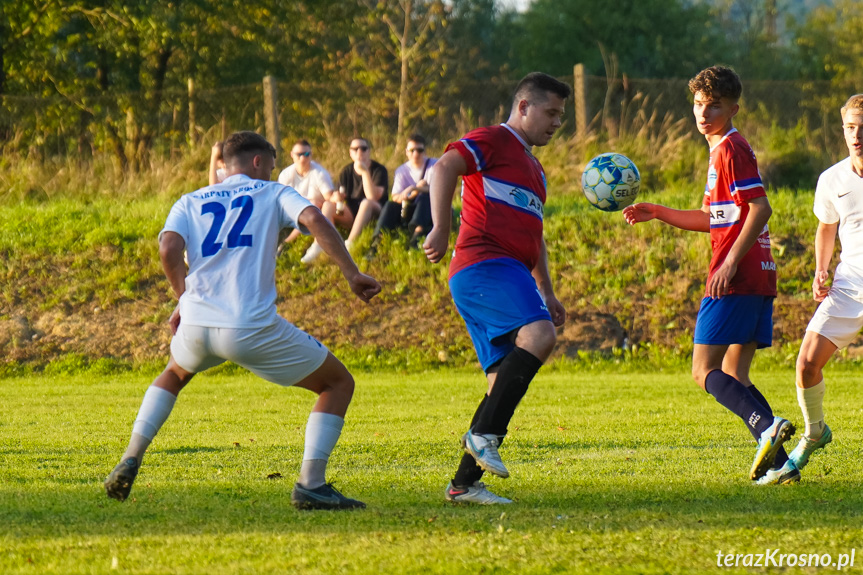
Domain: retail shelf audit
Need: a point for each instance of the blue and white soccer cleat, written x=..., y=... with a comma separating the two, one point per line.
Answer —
x=807, y=446
x=771, y=440
x=483, y=448
x=476, y=493
x=785, y=475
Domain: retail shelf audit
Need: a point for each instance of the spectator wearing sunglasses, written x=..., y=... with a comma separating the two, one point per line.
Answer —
x=363, y=190
x=313, y=182
x=409, y=207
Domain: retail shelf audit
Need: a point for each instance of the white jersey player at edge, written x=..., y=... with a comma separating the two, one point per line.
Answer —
x=839, y=317
x=227, y=310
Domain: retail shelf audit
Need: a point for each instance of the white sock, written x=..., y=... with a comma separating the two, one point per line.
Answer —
x=155, y=409
x=811, y=400
x=322, y=433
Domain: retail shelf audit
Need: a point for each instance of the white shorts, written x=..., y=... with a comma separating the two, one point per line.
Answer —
x=839, y=318
x=280, y=353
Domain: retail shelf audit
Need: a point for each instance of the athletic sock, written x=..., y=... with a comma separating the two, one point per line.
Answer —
x=468, y=471
x=781, y=456
x=811, y=400
x=155, y=409
x=516, y=371
x=734, y=396
x=322, y=433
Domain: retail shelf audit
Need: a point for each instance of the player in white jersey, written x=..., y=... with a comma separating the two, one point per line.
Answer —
x=839, y=317
x=227, y=311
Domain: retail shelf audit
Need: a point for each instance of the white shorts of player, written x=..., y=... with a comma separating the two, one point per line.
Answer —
x=280, y=353
x=839, y=318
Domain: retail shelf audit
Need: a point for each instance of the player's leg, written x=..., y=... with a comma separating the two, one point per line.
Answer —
x=465, y=486
x=335, y=387
x=737, y=363
x=722, y=323
x=534, y=343
x=815, y=351
x=155, y=408
x=285, y=355
x=512, y=334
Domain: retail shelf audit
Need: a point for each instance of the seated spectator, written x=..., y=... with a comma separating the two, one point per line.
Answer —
x=362, y=190
x=409, y=206
x=217, y=164
x=313, y=182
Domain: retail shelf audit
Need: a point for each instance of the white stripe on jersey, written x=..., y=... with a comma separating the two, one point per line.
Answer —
x=724, y=214
x=521, y=199
x=469, y=147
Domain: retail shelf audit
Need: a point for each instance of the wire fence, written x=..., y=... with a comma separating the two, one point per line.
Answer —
x=325, y=114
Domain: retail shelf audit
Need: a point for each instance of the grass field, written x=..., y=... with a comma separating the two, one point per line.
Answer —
x=612, y=473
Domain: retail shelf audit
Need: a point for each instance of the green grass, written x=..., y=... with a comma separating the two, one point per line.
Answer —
x=611, y=472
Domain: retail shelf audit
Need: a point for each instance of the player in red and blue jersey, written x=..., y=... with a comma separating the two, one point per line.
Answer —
x=499, y=276
x=736, y=314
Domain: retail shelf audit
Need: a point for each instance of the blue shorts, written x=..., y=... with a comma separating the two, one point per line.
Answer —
x=735, y=319
x=496, y=297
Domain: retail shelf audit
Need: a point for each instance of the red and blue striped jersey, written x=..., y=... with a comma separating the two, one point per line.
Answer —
x=732, y=181
x=503, y=196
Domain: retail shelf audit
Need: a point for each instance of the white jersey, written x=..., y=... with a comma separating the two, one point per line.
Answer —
x=232, y=232
x=312, y=186
x=839, y=198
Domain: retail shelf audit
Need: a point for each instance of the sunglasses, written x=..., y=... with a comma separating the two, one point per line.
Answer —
x=417, y=150
x=360, y=148
x=303, y=154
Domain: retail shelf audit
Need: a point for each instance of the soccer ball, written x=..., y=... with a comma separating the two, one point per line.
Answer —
x=610, y=182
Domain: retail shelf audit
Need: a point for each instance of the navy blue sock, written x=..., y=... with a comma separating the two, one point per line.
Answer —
x=781, y=456
x=737, y=399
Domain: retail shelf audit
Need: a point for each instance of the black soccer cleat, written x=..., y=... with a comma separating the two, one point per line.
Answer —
x=324, y=497
x=119, y=482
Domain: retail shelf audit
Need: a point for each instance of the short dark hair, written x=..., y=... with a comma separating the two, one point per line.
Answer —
x=417, y=139
x=303, y=142
x=240, y=147
x=535, y=88
x=367, y=143
x=717, y=82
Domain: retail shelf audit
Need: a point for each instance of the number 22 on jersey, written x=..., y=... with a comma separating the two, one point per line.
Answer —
x=236, y=237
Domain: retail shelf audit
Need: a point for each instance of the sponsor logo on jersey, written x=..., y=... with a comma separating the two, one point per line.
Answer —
x=521, y=199
x=768, y=266
x=712, y=176
x=724, y=214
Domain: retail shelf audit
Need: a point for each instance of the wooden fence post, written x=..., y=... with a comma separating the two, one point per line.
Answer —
x=580, y=96
x=192, y=130
x=271, y=112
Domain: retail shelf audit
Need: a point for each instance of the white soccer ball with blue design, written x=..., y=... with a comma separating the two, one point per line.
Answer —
x=610, y=182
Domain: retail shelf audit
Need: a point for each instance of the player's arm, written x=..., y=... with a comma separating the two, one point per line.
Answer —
x=214, y=157
x=171, y=246
x=543, y=284
x=690, y=220
x=447, y=171
x=365, y=287
x=759, y=214
x=825, y=242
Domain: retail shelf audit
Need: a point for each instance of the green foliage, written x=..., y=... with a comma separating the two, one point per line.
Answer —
x=651, y=38
x=600, y=483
